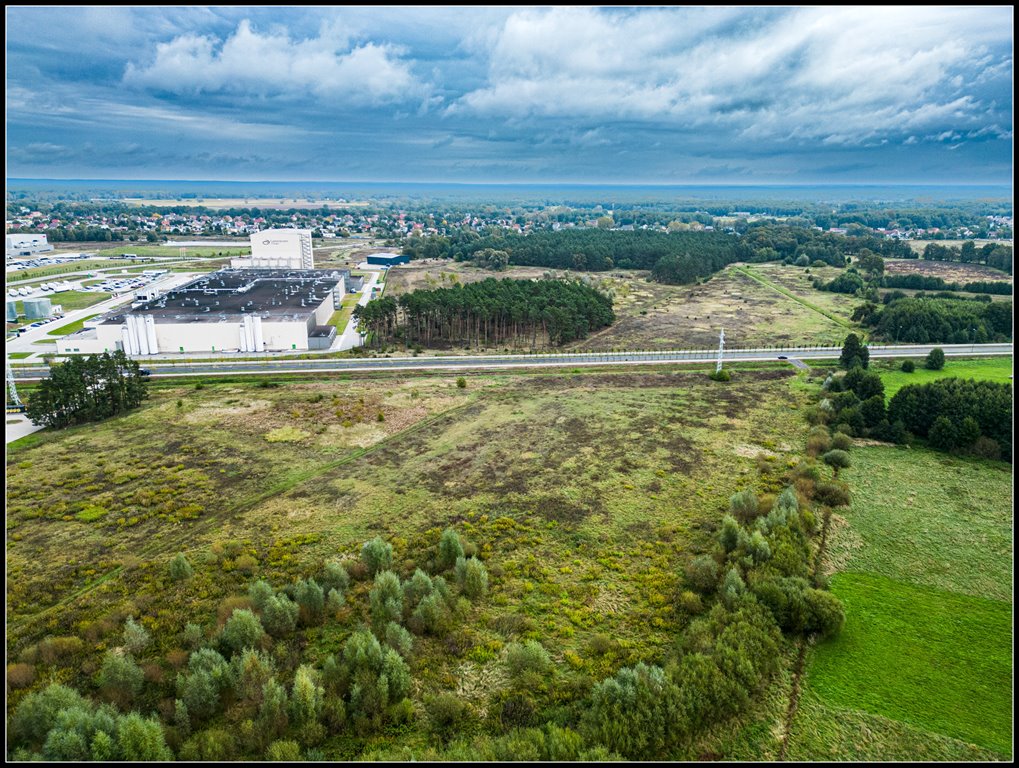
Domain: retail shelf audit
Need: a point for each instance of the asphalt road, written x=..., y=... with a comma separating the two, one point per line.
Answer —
x=557, y=360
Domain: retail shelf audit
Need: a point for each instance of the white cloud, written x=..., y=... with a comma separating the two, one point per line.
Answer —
x=271, y=63
x=840, y=75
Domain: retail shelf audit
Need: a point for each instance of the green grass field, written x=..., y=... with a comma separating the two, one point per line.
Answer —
x=922, y=560
x=86, y=265
x=74, y=327
x=937, y=660
x=342, y=316
x=986, y=369
x=71, y=300
x=930, y=519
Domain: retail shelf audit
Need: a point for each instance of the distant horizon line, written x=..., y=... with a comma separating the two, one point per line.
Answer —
x=538, y=183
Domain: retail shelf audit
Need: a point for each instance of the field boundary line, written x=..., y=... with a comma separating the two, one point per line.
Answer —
x=786, y=292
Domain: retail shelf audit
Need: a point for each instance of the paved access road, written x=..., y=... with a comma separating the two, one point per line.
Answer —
x=556, y=360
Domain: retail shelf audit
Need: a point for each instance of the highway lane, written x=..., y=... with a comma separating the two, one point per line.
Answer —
x=553, y=360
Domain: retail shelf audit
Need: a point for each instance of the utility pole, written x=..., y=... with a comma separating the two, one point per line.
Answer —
x=15, y=406
x=721, y=348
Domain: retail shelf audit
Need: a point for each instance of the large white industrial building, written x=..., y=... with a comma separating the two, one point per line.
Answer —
x=278, y=249
x=253, y=310
x=26, y=245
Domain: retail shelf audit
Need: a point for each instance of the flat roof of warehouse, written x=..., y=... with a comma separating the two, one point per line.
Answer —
x=230, y=294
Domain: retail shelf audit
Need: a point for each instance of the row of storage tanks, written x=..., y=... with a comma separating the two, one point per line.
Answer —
x=35, y=309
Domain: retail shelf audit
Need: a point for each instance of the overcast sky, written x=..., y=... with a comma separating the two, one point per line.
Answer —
x=652, y=95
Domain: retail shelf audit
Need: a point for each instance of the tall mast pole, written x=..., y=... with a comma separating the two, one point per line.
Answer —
x=721, y=348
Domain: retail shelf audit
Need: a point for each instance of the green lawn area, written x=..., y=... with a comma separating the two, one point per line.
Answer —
x=71, y=300
x=342, y=315
x=923, y=564
x=64, y=330
x=827, y=732
x=934, y=659
x=19, y=355
x=240, y=249
x=86, y=265
x=930, y=519
x=985, y=369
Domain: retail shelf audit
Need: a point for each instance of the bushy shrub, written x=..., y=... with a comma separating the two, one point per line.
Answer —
x=334, y=602
x=758, y=547
x=728, y=535
x=935, y=359
x=450, y=550
x=20, y=675
x=334, y=576
x=272, y=712
x=690, y=602
x=635, y=713
x=432, y=615
x=373, y=680
x=260, y=593
x=283, y=752
x=310, y=600
x=986, y=448
x=306, y=697
x=192, y=636
x=377, y=555
x=942, y=434
x=732, y=587
x=242, y=630
x=416, y=588
x=141, y=739
x=472, y=576
x=528, y=663
x=136, y=637
x=446, y=714
x=251, y=670
x=37, y=713
x=826, y=614
x=209, y=676
x=386, y=599
x=841, y=441
x=833, y=494
x=908, y=366
x=743, y=505
x=722, y=375
x=702, y=574
x=461, y=382
x=399, y=639
x=279, y=617
x=120, y=678
x=837, y=460
x=215, y=745
x=180, y=568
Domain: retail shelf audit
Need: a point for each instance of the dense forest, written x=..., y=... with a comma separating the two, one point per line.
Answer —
x=934, y=283
x=678, y=257
x=958, y=414
x=588, y=249
x=519, y=313
x=933, y=319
